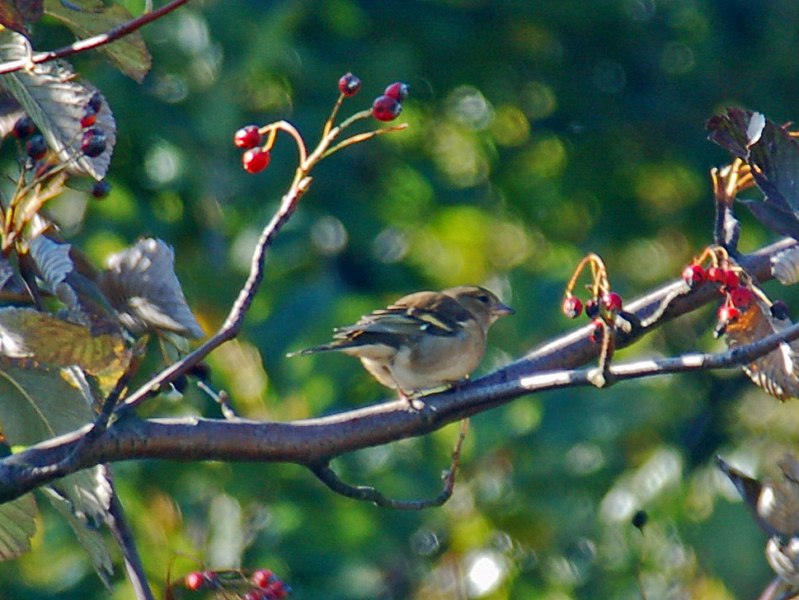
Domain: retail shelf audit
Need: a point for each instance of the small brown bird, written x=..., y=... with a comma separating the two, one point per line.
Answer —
x=424, y=340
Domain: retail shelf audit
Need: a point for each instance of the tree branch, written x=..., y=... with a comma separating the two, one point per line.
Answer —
x=328, y=476
x=315, y=441
x=92, y=42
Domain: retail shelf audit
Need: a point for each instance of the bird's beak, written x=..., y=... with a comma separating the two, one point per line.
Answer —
x=501, y=310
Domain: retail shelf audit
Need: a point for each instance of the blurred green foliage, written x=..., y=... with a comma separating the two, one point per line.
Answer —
x=539, y=132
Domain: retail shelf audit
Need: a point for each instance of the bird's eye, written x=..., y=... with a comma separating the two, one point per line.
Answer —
x=483, y=298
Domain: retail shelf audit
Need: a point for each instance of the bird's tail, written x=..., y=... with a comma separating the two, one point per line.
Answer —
x=315, y=349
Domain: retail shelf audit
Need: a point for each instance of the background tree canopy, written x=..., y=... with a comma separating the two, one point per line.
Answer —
x=538, y=132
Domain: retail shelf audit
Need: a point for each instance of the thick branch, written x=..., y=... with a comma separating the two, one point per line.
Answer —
x=316, y=441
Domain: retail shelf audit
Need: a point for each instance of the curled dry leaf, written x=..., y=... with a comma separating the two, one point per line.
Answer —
x=785, y=266
x=84, y=301
x=777, y=372
x=141, y=284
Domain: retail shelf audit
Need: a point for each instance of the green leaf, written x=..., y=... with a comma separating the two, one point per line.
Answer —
x=38, y=403
x=17, y=526
x=129, y=53
x=89, y=536
x=56, y=102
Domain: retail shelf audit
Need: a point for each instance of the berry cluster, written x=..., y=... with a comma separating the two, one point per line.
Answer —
x=387, y=106
x=738, y=295
x=255, y=158
x=260, y=584
x=35, y=145
x=602, y=311
x=257, y=141
x=93, y=142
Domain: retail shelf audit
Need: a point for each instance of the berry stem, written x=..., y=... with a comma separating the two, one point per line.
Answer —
x=362, y=137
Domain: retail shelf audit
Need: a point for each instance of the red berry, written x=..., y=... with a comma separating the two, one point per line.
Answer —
x=89, y=119
x=779, y=310
x=611, y=302
x=349, y=84
x=255, y=160
x=741, y=297
x=598, y=331
x=194, y=581
x=36, y=147
x=728, y=314
x=262, y=577
x=572, y=307
x=694, y=275
x=247, y=137
x=93, y=142
x=731, y=279
x=386, y=108
x=716, y=274
x=23, y=128
x=592, y=308
x=397, y=90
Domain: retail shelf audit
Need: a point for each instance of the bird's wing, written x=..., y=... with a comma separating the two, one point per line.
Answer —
x=424, y=312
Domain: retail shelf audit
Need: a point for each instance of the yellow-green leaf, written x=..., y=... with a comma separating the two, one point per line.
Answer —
x=48, y=340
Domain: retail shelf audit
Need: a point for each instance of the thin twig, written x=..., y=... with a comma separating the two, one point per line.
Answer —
x=118, y=524
x=92, y=42
x=232, y=324
x=369, y=494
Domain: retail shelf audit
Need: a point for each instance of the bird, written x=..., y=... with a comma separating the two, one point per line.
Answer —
x=423, y=341
x=775, y=507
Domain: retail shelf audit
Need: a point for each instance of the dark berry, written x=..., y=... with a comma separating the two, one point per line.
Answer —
x=639, y=519
x=611, y=302
x=779, y=310
x=716, y=274
x=23, y=128
x=247, y=137
x=101, y=189
x=592, y=309
x=277, y=590
x=741, y=297
x=201, y=371
x=95, y=102
x=386, y=108
x=262, y=577
x=211, y=578
x=397, y=90
x=597, y=331
x=93, y=142
x=194, y=581
x=349, y=84
x=88, y=119
x=572, y=307
x=180, y=383
x=694, y=275
x=36, y=147
x=255, y=160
